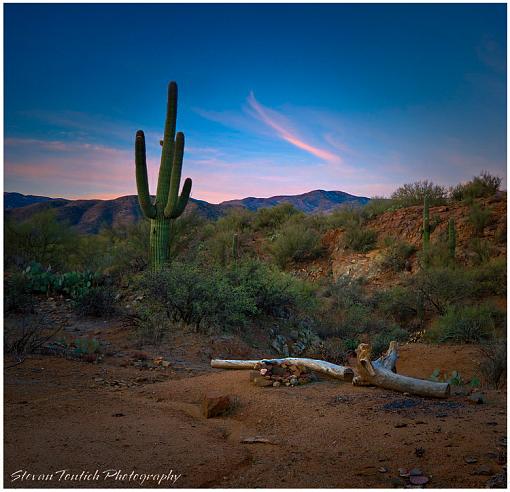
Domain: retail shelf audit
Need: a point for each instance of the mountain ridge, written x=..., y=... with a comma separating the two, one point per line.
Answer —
x=88, y=216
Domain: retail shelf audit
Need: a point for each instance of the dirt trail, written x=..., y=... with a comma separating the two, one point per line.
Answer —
x=325, y=434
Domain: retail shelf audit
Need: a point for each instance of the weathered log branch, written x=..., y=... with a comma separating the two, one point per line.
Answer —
x=382, y=373
x=333, y=370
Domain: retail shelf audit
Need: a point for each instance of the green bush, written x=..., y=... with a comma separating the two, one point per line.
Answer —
x=344, y=216
x=413, y=194
x=275, y=293
x=397, y=254
x=273, y=217
x=480, y=250
x=211, y=298
x=442, y=287
x=480, y=186
x=467, y=324
x=489, y=279
x=95, y=301
x=493, y=363
x=377, y=206
x=295, y=242
x=381, y=341
x=151, y=325
x=199, y=296
x=359, y=239
x=40, y=239
x=17, y=293
x=479, y=218
x=399, y=302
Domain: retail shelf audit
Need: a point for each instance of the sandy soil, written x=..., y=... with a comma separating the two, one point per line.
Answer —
x=60, y=416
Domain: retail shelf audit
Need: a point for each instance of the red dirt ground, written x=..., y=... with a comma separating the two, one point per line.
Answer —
x=325, y=434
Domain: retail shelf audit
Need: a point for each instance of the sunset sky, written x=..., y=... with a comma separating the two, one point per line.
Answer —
x=273, y=99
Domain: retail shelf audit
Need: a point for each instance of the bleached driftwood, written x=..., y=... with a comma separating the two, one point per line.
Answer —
x=382, y=373
x=333, y=370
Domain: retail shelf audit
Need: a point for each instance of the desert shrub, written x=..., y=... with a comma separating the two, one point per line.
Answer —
x=151, y=325
x=333, y=350
x=442, y=287
x=345, y=291
x=359, y=239
x=236, y=220
x=489, y=278
x=493, y=363
x=199, y=297
x=40, y=239
x=17, y=293
x=377, y=206
x=480, y=186
x=467, y=324
x=381, y=341
x=295, y=242
x=480, y=251
x=397, y=254
x=479, y=218
x=344, y=216
x=273, y=217
x=274, y=293
x=414, y=193
x=400, y=303
x=355, y=320
x=27, y=334
x=219, y=247
x=95, y=301
x=500, y=234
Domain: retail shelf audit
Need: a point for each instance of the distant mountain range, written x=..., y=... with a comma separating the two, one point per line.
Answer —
x=88, y=216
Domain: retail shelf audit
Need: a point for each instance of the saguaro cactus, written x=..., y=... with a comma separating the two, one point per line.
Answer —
x=168, y=204
x=426, y=224
x=451, y=238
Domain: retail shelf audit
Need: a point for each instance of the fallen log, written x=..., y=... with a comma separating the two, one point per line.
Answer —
x=382, y=373
x=333, y=370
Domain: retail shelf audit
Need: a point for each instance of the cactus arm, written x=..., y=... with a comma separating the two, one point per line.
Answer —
x=183, y=199
x=142, y=183
x=165, y=169
x=175, y=179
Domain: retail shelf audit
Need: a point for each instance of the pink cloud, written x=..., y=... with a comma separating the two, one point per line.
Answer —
x=275, y=121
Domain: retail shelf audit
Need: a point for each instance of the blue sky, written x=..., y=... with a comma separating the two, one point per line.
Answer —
x=273, y=99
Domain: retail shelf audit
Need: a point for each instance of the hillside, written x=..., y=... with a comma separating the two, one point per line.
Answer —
x=311, y=202
x=88, y=216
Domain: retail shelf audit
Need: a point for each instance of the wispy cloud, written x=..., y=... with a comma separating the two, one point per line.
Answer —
x=277, y=122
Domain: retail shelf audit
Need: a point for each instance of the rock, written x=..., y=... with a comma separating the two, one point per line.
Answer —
x=262, y=381
x=403, y=472
x=165, y=363
x=399, y=425
x=415, y=472
x=483, y=470
x=498, y=481
x=276, y=384
x=418, y=479
x=383, y=469
x=470, y=460
x=279, y=371
x=215, y=405
x=476, y=398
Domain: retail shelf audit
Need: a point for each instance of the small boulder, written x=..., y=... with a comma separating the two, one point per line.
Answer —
x=476, y=398
x=216, y=405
